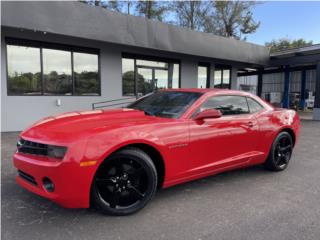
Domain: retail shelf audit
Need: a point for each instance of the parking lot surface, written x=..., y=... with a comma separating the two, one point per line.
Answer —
x=243, y=204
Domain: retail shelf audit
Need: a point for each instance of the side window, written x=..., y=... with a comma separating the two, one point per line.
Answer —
x=254, y=106
x=228, y=105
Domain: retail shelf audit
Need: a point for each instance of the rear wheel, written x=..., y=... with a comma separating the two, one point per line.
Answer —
x=280, y=153
x=125, y=182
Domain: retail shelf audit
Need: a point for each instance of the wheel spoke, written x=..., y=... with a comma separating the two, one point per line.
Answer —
x=114, y=199
x=286, y=157
x=282, y=152
x=105, y=181
x=120, y=183
x=286, y=148
x=135, y=172
x=278, y=160
x=135, y=192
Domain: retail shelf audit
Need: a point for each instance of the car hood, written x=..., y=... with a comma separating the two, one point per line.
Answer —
x=71, y=125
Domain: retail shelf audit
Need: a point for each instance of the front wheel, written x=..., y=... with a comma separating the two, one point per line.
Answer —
x=280, y=153
x=125, y=182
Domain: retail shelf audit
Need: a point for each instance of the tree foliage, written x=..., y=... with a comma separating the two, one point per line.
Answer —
x=151, y=9
x=117, y=6
x=285, y=43
x=225, y=18
x=231, y=19
x=190, y=14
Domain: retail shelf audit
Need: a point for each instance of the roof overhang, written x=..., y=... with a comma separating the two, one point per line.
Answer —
x=80, y=20
x=309, y=55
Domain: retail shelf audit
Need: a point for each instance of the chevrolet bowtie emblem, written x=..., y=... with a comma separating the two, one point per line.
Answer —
x=19, y=144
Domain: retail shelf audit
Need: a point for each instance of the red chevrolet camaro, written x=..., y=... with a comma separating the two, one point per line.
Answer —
x=117, y=159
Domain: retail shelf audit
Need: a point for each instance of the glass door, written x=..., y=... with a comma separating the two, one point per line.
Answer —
x=161, y=78
x=150, y=79
x=141, y=76
x=145, y=81
x=222, y=77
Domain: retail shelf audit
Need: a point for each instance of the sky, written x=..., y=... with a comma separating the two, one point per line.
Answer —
x=290, y=19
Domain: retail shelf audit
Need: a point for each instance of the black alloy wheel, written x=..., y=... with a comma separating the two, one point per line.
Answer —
x=125, y=182
x=280, y=153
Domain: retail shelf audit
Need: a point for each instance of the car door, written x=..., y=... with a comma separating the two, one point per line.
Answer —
x=225, y=141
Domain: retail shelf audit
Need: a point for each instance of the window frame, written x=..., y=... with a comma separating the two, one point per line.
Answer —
x=54, y=46
x=136, y=57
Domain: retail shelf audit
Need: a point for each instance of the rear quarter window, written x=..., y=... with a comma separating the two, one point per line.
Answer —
x=254, y=106
x=227, y=104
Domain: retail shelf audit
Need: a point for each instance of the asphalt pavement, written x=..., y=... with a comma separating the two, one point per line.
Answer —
x=242, y=204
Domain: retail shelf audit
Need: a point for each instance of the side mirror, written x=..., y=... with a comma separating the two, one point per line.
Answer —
x=209, y=113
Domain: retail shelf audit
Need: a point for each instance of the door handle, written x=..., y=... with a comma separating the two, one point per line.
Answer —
x=250, y=124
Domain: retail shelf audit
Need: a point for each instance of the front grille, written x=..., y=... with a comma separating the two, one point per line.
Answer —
x=34, y=148
x=27, y=177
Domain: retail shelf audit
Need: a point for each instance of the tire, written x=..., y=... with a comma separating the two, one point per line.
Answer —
x=124, y=183
x=280, y=152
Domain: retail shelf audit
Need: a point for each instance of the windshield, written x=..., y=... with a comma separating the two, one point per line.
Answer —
x=168, y=104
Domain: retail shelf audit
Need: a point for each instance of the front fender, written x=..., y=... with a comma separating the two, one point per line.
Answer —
x=99, y=147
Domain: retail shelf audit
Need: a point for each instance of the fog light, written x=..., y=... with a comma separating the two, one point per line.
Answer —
x=48, y=184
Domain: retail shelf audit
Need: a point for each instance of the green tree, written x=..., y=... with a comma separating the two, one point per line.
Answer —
x=190, y=14
x=93, y=2
x=285, y=43
x=231, y=19
x=151, y=9
x=111, y=5
x=115, y=5
x=226, y=18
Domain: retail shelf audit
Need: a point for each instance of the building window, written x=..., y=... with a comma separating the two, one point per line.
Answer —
x=248, y=84
x=272, y=88
x=57, y=72
x=141, y=76
x=203, y=76
x=24, y=71
x=45, y=69
x=86, y=73
x=176, y=76
x=222, y=77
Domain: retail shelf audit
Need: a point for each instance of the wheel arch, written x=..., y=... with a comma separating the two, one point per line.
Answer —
x=291, y=133
x=155, y=155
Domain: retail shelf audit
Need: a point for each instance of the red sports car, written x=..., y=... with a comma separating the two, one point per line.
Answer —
x=117, y=159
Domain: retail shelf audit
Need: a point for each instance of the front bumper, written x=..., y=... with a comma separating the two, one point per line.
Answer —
x=72, y=182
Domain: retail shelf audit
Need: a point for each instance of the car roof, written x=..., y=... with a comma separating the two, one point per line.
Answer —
x=219, y=91
x=210, y=92
x=201, y=90
x=207, y=90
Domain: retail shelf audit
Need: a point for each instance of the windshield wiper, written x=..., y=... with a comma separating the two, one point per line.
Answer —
x=148, y=113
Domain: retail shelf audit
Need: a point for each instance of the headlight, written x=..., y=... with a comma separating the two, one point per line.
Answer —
x=56, y=151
